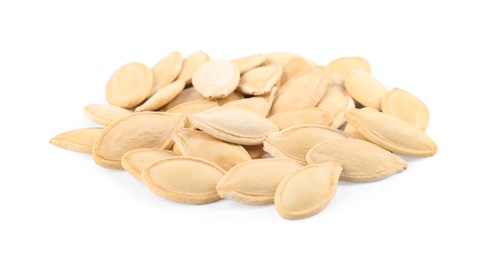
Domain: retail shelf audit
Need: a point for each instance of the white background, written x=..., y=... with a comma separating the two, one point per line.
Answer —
x=56, y=57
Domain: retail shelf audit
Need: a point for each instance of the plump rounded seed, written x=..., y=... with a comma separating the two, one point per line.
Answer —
x=184, y=179
x=391, y=133
x=260, y=80
x=202, y=145
x=191, y=64
x=162, y=96
x=365, y=89
x=186, y=95
x=362, y=161
x=79, y=140
x=139, y=130
x=407, y=107
x=341, y=67
x=166, y=70
x=254, y=182
x=302, y=116
x=295, y=67
x=255, y=151
x=247, y=63
x=294, y=142
x=282, y=58
x=307, y=191
x=136, y=160
x=336, y=100
x=306, y=90
x=234, y=125
x=216, y=78
x=129, y=85
x=105, y=114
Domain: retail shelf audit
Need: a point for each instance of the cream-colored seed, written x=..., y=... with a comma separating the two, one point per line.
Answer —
x=260, y=80
x=282, y=58
x=136, y=160
x=139, y=130
x=129, y=85
x=202, y=145
x=254, y=182
x=193, y=107
x=407, y=107
x=362, y=161
x=257, y=105
x=336, y=100
x=250, y=62
x=191, y=64
x=295, y=67
x=230, y=98
x=79, y=140
x=184, y=179
x=302, y=116
x=166, y=70
x=307, y=191
x=216, y=78
x=162, y=96
x=341, y=67
x=105, y=114
x=365, y=89
x=255, y=151
x=186, y=95
x=391, y=133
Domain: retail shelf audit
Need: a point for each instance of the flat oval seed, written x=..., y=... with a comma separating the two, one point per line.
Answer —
x=341, y=67
x=139, y=130
x=193, y=107
x=407, y=107
x=105, y=114
x=260, y=80
x=234, y=125
x=391, y=133
x=230, y=98
x=247, y=63
x=302, y=116
x=129, y=85
x=162, y=96
x=166, y=70
x=191, y=64
x=365, y=89
x=202, y=145
x=362, y=161
x=282, y=58
x=257, y=105
x=306, y=90
x=79, y=140
x=294, y=142
x=136, y=160
x=307, y=191
x=295, y=67
x=184, y=179
x=255, y=151
x=336, y=100
x=254, y=182
x=216, y=78
x=186, y=95
x=353, y=133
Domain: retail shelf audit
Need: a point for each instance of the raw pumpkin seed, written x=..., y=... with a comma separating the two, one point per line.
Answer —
x=407, y=107
x=365, y=89
x=302, y=116
x=340, y=68
x=136, y=160
x=336, y=100
x=260, y=80
x=166, y=70
x=191, y=64
x=79, y=140
x=216, y=78
x=162, y=96
x=105, y=114
x=129, y=85
x=250, y=62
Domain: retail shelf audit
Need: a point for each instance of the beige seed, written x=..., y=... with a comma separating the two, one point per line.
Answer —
x=191, y=64
x=260, y=80
x=254, y=182
x=216, y=78
x=340, y=68
x=257, y=105
x=129, y=85
x=202, y=145
x=186, y=95
x=255, y=151
x=105, y=114
x=294, y=142
x=295, y=67
x=193, y=107
x=269, y=97
x=306, y=90
x=79, y=140
x=234, y=125
x=139, y=130
x=302, y=116
x=184, y=179
x=362, y=161
x=282, y=58
x=166, y=70
x=336, y=100
x=247, y=63
x=162, y=96
x=407, y=107
x=307, y=191
x=352, y=132
x=365, y=89
x=136, y=160
x=391, y=133
x=231, y=97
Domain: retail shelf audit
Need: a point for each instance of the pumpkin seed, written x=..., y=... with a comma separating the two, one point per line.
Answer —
x=129, y=85
x=162, y=96
x=216, y=78
x=166, y=71
x=79, y=140
x=307, y=191
x=136, y=160
x=247, y=63
x=186, y=95
x=340, y=68
x=260, y=80
x=302, y=116
x=254, y=182
x=105, y=114
x=257, y=105
x=336, y=100
x=362, y=161
x=407, y=107
x=255, y=151
x=295, y=67
x=184, y=179
x=365, y=89
x=191, y=64
x=231, y=97
x=282, y=58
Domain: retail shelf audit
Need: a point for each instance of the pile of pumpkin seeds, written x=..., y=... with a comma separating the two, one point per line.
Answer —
x=267, y=128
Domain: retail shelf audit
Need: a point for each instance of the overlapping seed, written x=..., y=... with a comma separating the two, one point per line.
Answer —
x=196, y=130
